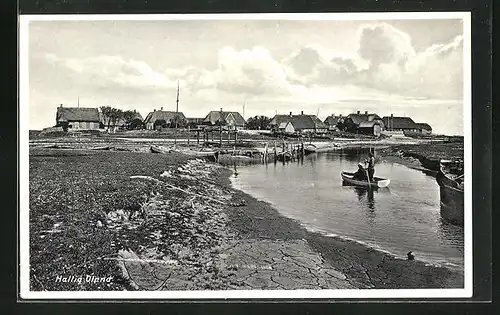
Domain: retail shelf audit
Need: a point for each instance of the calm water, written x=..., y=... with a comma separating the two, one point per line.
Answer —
x=403, y=217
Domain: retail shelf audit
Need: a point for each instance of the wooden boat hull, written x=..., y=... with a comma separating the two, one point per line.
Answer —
x=451, y=195
x=378, y=182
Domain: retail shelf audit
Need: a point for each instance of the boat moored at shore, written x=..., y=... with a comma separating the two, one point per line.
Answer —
x=450, y=178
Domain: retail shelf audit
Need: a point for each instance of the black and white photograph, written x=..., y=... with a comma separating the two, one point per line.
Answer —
x=222, y=156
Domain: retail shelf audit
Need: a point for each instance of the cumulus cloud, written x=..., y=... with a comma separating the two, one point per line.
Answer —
x=394, y=66
x=384, y=44
x=113, y=72
x=250, y=71
x=311, y=66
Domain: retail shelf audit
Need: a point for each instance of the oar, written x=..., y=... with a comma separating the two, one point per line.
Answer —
x=368, y=178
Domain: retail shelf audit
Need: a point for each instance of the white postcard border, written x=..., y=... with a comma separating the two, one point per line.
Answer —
x=24, y=269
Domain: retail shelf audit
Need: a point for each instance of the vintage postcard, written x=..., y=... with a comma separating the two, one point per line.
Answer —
x=245, y=156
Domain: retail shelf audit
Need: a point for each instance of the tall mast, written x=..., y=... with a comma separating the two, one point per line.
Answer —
x=243, y=110
x=78, y=101
x=176, y=113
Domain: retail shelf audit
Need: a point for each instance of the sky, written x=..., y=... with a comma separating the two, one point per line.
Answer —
x=410, y=68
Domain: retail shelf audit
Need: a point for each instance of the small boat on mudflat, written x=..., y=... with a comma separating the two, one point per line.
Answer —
x=376, y=183
x=450, y=178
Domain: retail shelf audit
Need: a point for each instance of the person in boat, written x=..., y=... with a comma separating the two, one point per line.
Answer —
x=360, y=174
x=371, y=165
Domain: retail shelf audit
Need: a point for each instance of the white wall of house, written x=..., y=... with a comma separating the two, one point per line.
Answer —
x=83, y=125
x=289, y=128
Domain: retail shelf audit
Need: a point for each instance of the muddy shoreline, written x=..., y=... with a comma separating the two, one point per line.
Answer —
x=170, y=222
x=363, y=266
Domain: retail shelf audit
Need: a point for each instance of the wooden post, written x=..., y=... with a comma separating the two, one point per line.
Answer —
x=220, y=128
x=212, y=135
x=198, y=136
x=189, y=133
x=274, y=150
x=235, y=137
x=228, y=137
x=265, y=154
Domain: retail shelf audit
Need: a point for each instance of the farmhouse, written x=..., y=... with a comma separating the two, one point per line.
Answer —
x=77, y=118
x=195, y=122
x=299, y=124
x=332, y=121
x=230, y=120
x=405, y=124
x=363, y=123
x=158, y=119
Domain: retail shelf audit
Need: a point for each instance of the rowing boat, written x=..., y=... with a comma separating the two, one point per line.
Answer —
x=376, y=183
x=450, y=179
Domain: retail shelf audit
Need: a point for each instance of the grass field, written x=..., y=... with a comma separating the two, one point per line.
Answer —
x=70, y=192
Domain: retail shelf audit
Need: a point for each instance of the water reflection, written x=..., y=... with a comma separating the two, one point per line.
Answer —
x=404, y=218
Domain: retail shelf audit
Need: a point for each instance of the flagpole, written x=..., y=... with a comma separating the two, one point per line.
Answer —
x=176, y=113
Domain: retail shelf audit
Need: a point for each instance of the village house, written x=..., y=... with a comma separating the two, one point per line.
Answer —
x=405, y=125
x=195, y=123
x=77, y=118
x=230, y=120
x=298, y=124
x=369, y=124
x=333, y=121
x=158, y=119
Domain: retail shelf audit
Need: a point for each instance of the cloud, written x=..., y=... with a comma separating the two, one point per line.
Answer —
x=384, y=44
x=311, y=66
x=250, y=71
x=391, y=65
x=112, y=72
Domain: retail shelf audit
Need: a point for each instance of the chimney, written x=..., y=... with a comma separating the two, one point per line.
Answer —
x=358, y=112
x=302, y=112
x=290, y=113
x=340, y=115
x=154, y=110
x=366, y=112
x=161, y=108
x=392, y=115
x=60, y=105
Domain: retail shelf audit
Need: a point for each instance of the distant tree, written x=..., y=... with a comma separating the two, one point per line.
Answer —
x=111, y=115
x=131, y=120
x=116, y=115
x=106, y=115
x=128, y=116
x=258, y=122
x=181, y=122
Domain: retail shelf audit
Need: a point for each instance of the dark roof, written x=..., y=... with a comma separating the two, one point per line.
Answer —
x=368, y=124
x=161, y=114
x=278, y=119
x=399, y=122
x=77, y=114
x=357, y=118
x=332, y=120
x=424, y=126
x=305, y=122
x=214, y=116
x=195, y=120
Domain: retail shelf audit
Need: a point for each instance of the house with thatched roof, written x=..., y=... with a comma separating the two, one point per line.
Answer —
x=333, y=120
x=77, y=118
x=369, y=124
x=162, y=119
x=230, y=120
x=405, y=124
x=425, y=128
x=299, y=124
